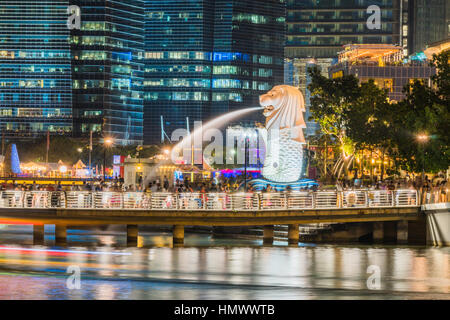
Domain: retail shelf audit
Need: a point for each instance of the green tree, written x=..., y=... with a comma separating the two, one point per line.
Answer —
x=331, y=100
x=7, y=168
x=368, y=121
x=61, y=148
x=424, y=111
x=67, y=149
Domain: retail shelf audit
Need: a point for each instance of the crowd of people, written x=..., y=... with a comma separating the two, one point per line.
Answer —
x=432, y=190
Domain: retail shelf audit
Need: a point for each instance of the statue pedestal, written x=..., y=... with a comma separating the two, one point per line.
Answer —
x=261, y=184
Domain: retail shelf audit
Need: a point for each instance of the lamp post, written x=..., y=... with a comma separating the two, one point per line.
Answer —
x=423, y=139
x=245, y=161
x=107, y=143
x=257, y=149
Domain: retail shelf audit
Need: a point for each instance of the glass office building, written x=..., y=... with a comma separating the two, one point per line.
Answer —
x=35, y=77
x=431, y=22
x=107, y=70
x=178, y=67
x=319, y=28
x=385, y=65
x=296, y=74
x=206, y=57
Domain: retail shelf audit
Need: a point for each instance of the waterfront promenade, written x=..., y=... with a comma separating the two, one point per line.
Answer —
x=75, y=208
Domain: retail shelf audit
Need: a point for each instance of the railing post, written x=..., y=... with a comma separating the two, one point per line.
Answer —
x=286, y=206
x=313, y=199
x=204, y=200
x=259, y=201
x=340, y=199
x=177, y=200
x=231, y=203
x=150, y=200
x=94, y=196
x=48, y=202
x=122, y=199
x=393, y=198
x=65, y=199
x=366, y=199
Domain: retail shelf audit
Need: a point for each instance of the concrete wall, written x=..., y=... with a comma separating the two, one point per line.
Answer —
x=349, y=232
x=438, y=224
x=134, y=166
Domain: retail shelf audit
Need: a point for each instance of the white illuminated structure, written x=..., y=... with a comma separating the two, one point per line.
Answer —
x=284, y=106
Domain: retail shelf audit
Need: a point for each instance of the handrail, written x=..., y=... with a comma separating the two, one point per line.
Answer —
x=298, y=200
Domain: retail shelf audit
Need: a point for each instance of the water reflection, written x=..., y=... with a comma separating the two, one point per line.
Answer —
x=208, y=268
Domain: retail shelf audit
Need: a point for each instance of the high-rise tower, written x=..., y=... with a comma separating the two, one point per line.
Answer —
x=35, y=75
x=107, y=70
x=206, y=57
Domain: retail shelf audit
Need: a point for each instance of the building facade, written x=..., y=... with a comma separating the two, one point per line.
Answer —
x=385, y=65
x=72, y=81
x=108, y=69
x=35, y=69
x=205, y=58
x=296, y=74
x=319, y=29
x=431, y=22
x=178, y=42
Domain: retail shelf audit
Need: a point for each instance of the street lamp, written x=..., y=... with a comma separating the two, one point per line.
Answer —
x=107, y=143
x=423, y=139
x=80, y=150
x=257, y=149
x=63, y=170
x=246, y=145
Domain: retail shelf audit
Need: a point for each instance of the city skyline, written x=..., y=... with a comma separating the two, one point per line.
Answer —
x=226, y=154
x=157, y=66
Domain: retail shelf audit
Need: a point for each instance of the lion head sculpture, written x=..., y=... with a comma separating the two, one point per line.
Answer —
x=283, y=108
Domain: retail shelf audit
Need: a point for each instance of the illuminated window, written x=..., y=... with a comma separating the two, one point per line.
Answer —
x=338, y=74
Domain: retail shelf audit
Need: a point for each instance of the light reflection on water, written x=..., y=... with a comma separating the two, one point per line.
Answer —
x=209, y=268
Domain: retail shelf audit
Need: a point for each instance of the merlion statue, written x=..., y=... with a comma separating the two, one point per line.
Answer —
x=283, y=108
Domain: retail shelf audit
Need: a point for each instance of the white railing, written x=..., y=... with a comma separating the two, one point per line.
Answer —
x=209, y=201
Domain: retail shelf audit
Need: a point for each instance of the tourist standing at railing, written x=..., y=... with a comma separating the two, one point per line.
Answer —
x=434, y=198
x=203, y=196
x=391, y=186
x=425, y=192
x=166, y=183
x=442, y=191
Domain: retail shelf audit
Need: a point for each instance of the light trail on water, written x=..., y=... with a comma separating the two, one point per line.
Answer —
x=2, y=248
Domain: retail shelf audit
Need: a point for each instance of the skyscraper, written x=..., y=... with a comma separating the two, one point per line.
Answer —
x=206, y=57
x=35, y=77
x=72, y=81
x=178, y=42
x=107, y=70
x=431, y=22
x=318, y=29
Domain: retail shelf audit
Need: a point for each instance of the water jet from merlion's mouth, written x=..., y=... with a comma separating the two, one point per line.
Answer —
x=197, y=134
